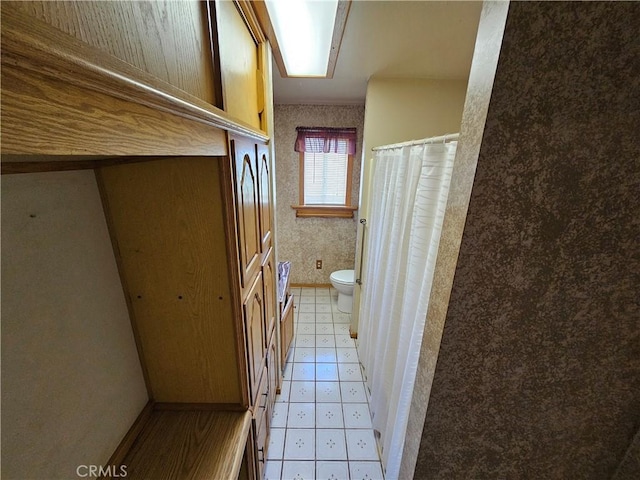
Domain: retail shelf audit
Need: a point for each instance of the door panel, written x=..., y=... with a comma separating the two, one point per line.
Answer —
x=269, y=280
x=253, y=310
x=264, y=172
x=247, y=204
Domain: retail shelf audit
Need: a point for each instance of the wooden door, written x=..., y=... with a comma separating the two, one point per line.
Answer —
x=253, y=310
x=269, y=280
x=272, y=372
x=264, y=172
x=247, y=208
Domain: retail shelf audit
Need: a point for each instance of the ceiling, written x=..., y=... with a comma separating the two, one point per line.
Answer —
x=391, y=38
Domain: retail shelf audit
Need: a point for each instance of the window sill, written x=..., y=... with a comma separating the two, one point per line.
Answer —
x=339, y=211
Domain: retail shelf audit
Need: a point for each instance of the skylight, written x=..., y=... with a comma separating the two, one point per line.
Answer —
x=304, y=29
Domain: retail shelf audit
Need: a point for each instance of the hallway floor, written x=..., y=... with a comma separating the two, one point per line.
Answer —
x=321, y=426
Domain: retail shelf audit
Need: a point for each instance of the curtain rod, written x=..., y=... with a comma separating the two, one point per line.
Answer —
x=441, y=139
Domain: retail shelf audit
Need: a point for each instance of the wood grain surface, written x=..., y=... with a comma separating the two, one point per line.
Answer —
x=239, y=64
x=167, y=39
x=168, y=222
x=193, y=445
x=61, y=96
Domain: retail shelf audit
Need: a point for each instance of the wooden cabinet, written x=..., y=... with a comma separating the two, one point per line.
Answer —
x=253, y=309
x=132, y=90
x=265, y=201
x=269, y=279
x=247, y=203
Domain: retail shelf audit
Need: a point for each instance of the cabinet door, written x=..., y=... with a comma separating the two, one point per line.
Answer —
x=269, y=280
x=253, y=309
x=261, y=422
x=272, y=372
x=264, y=172
x=247, y=208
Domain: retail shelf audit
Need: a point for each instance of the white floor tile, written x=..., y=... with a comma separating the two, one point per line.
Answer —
x=323, y=308
x=361, y=445
x=325, y=340
x=351, y=392
x=339, y=317
x=327, y=392
x=272, y=470
x=306, y=329
x=306, y=317
x=285, y=390
x=327, y=372
x=304, y=372
x=341, y=329
x=287, y=371
x=276, y=443
x=356, y=415
x=329, y=415
x=298, y=471
x=345, y=341
x=302, y=392
x=302, y=415
x=349, y=372
x=307, y=307
x=366, y=471
x=325, y=300
x=332, y=470
x=279, y=416
x=330, y=444
x=304, y=355
x=324, y=318
x=347, y=355
x=307, y=299
x=326, y=355
x=324, y=329
x=305, y=340
x=300, y=444
x=323, y=292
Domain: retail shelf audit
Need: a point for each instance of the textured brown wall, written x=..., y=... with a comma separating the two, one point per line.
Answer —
x=538, y=374
x=302, y=241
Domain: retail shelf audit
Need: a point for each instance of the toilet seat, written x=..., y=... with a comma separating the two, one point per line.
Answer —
x=343, y=277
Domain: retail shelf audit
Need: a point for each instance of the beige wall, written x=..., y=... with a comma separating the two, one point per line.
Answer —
x=71, y=379
x=398, y=110
x=305, y=240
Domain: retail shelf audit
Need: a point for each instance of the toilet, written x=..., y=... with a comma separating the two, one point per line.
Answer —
x=342, y=281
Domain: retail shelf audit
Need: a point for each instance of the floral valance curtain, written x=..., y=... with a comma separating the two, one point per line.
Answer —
x=326, y=140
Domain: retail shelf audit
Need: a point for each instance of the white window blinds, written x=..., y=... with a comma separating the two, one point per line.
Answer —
x=325, y=178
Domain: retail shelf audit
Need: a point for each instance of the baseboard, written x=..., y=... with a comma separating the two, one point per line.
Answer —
x=226, y=407
x=310, y=285
x=352, y=334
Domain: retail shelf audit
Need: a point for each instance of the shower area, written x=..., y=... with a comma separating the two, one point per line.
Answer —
x=409, y=184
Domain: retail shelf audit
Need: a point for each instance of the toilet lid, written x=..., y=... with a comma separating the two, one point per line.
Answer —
x=343, y=276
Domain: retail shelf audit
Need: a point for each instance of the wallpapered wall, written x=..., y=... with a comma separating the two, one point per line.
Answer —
x=305, y=240
x=538, y=373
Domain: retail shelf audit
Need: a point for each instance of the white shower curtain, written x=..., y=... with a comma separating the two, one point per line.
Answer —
x=409, y=191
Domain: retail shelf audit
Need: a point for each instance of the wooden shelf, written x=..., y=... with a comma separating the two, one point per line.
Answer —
x=203, y=444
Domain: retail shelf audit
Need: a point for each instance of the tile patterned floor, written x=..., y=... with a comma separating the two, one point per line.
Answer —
x=321, y=425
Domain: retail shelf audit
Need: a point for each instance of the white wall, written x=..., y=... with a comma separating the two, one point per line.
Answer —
x=398, y=110
x=72, y=384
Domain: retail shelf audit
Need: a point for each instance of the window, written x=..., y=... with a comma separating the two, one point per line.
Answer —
x=326, y=165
